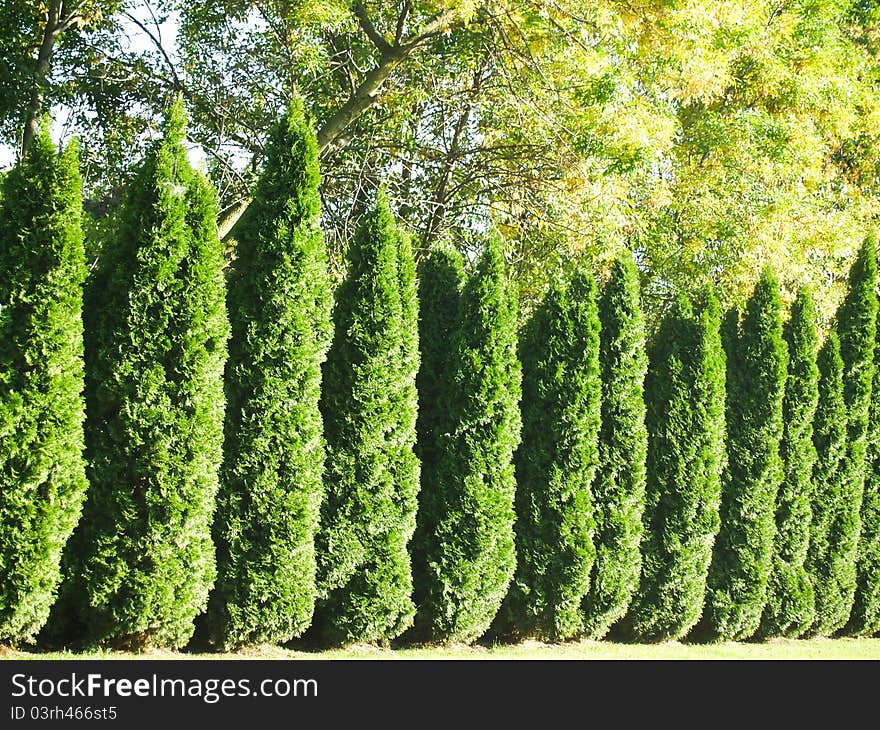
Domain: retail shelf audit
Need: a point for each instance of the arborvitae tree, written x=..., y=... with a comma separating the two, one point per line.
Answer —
x=141, y=562
x=369, y=406
x=857, y=325
x=42, y=470
x=271, y=487
x=556, y=462
x=790, y=605
x=619, y=489
x=470, y=552
x=441, y=277
x=743, y=552
x=865, y=617
x=826, y=562
x=684, y=394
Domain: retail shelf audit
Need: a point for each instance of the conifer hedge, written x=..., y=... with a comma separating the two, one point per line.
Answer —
x=684, y=393
x=865, y=617
x=790, y=605
x=441, y=277
x=556, y=462
x=857, y=327
x=724, y=471
x=619, y=488
x=369, y=407
x=742, y=556
x=42, y=470
x=826, y=565
x=469, y=553
x=271, y=487
x=141, y=563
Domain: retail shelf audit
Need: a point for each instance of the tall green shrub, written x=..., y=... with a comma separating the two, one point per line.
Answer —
x=865, y=617
x=556, y=461
x=441, y=278
x=684, y=393
x=826, y=559
x=369, y=406
x=470, y=551
x=743, y=552
x=790, y=605
x=141, y=563
x=857, y=325
x=619, y=489
x=42, y=470
x=271, y=487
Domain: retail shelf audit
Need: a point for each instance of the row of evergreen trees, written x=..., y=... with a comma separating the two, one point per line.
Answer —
x=406, y=465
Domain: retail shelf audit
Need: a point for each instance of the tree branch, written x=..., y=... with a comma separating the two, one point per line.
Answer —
x=362, y=99
x=66, y=19
x=365, y=95
x=376, y=38
x=440, y=24
x=157, y=42
x=440, y=201
x=401, y=21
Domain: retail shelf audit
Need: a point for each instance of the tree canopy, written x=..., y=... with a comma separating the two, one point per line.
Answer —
x=709, y=138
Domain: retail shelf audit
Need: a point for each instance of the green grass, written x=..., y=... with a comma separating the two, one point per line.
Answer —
x=780, y=649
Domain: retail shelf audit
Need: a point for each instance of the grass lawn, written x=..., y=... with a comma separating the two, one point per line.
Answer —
x=778, y=649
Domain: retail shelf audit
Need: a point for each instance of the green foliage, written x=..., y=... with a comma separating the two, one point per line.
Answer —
x=42, y=470
x=469, y=546
x=761, y=116
x=24, y=29
x=619, y=489
x=790, y=605
x=742, y=555
x=865, y=617
x=684, y=393
x=441, y=278
x=557, y=461
x=369, y=404
x=857, y=325
x=271, y=487
x=141, y=563
x=826, y=557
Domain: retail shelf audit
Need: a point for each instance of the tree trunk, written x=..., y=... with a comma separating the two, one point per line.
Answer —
x=43, y=68
x=363, y=97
